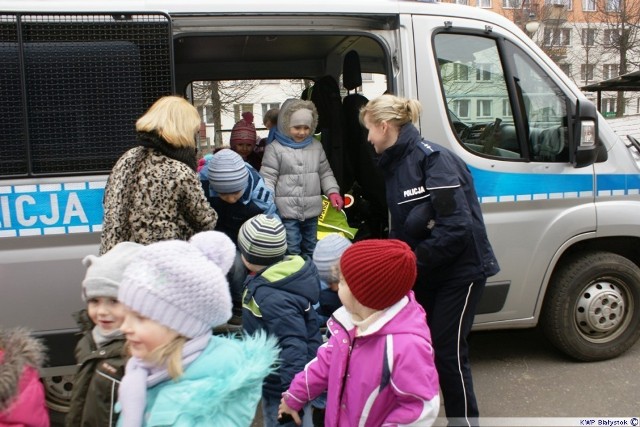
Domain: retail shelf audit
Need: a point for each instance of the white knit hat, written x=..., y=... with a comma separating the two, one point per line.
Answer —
x=182, y=285
x=104, y=273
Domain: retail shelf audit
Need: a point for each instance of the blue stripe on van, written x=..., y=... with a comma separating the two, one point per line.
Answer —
x=508, y=187
x=76, y=207
x=60, y=208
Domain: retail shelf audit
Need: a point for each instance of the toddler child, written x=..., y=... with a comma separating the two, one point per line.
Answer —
x=378, y=365
x=278, y=299
x=179, y=373
x=326, y=257
x=100, y=354
x=243, y=140
x=237, y=193
x=22, y=400
x=296, y=168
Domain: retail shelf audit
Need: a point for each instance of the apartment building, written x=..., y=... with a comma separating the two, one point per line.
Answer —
x=591, y=40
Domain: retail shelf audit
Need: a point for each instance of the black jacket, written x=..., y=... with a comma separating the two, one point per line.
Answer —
x=95, y=386
x=453, y=246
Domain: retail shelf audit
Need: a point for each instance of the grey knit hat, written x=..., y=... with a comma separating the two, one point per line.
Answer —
x=104, y=273
x=327, y=255
x=182, y=285
x=227, y=172
x=262, y=240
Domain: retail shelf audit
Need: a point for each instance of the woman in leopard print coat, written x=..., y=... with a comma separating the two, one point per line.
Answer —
x=153, y=192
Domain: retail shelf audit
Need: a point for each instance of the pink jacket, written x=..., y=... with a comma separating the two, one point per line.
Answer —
x=21, y=392
x=384, y=377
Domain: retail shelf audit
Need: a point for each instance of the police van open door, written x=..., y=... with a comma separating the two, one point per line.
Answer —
x=71, y=89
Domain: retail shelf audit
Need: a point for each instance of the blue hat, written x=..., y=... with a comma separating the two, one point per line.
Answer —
x=227, y=172
x=327, y=254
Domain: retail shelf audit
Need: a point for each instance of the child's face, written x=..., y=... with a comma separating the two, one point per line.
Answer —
x=145, y=335
x=299, y=133
x=231, y=198
x=345, y=295
x=244, y=149
x=107, y=313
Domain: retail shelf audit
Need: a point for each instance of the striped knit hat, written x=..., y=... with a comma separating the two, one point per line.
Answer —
x=379, y=272
x=227, y=172
x=244, y=131
x=262, y=240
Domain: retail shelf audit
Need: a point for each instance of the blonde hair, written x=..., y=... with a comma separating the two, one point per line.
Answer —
x=170, y=356
x=174, y=119
x=391, y=109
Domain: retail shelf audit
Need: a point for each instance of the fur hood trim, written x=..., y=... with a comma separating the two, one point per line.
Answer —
x=289, y=107
x=19, y=349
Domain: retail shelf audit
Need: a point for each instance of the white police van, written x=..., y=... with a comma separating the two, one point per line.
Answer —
x=559, y=190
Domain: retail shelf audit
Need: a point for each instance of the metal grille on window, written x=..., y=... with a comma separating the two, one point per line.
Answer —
x=87, y=78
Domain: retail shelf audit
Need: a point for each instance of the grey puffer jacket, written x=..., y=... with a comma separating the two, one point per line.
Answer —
x=297, y=176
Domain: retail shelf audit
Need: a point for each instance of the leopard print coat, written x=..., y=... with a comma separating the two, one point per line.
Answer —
x=153, y=194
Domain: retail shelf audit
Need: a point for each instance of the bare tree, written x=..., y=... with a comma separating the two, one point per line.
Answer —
x=620, y=41
x=223, y=95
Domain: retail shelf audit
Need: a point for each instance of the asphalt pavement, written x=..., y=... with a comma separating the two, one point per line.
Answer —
x=518, y=373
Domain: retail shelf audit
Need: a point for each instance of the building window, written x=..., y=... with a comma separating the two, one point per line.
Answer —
x=206, y=113
x=506, y=108
x=268, y=106
x=589, y=5
x=588, y=37
x=484, y=3
x=611, y=37
x=565, y=3
x=612, y=5
x=483, y=72
x=609, y=71
x=483, y=108
x=566, y=68
x=557, y=36
x=460, y=72
x=367, y=77
x=511, y=4
x=608, y=105
x=461, y=108
x=465, y=2
x=238, y=109
x=586, y=72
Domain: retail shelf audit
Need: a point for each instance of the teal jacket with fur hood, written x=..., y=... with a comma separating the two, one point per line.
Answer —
x=221, y=388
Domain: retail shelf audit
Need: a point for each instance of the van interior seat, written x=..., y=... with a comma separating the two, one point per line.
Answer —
x=360, y=153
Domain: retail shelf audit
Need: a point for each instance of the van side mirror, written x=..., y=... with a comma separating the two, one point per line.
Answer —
x=583, y=133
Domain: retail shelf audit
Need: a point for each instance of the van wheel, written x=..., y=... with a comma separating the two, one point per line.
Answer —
x=592, y=308
x=58, y=392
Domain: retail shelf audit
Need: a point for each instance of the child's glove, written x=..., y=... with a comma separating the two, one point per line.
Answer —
x=336, y=201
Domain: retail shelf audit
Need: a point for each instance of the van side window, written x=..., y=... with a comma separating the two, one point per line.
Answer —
x=73, y=85
x=476, y=94
x=545, y=109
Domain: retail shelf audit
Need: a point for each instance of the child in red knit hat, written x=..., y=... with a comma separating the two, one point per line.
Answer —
x=378, y=366
x=243, y=140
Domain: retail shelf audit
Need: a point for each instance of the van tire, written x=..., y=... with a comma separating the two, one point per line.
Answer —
x=57, y=390
x=592, y=307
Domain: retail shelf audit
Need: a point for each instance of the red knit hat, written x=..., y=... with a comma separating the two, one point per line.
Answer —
x=379, y=272
x=243, y=132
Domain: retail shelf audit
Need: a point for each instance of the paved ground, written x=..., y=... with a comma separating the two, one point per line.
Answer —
x=519, y=374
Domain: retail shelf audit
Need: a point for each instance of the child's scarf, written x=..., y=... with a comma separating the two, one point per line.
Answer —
x=287, y=141
x=139, y=376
